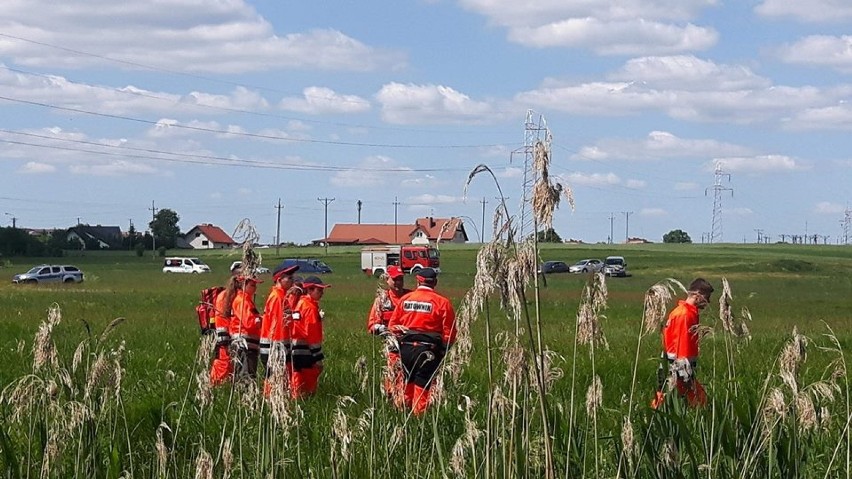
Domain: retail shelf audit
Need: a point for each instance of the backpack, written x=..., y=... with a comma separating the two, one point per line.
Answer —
x=206, y=309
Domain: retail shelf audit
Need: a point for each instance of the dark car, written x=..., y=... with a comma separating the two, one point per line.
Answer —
x=306, y=265
x=553, y=267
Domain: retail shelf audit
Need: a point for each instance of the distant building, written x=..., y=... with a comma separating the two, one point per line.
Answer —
x=636, y=241
x=208, y=236
x=423, y=231
x=105, y=237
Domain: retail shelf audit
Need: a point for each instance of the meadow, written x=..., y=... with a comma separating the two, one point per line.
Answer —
x=94, y=396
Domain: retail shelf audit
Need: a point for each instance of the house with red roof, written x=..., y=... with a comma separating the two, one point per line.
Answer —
x=423, y=231
x=208, y=236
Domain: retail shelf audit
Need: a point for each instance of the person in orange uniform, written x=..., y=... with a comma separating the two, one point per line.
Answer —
x=680, y=345
x=222, y=369
x=245, y=328
x=425, y=325
x=307, y=336
x=387, y=301
x=275, y=327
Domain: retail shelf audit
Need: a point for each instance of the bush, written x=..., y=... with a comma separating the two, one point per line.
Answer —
x=161, y=251
x=140, y=249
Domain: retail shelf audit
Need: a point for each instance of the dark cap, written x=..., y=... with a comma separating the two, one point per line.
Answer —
x=314, y=282
x=282, y=270
x=427, y=274
x=395, y=271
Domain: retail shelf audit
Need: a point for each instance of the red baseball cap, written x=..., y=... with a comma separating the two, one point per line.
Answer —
x=395, y=272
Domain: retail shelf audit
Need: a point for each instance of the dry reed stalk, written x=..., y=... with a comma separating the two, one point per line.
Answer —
x=550, y=372
x=467, y=441
x=227, y=458
x=203, y=465
x=162, y=450
x=341, y=433
x=657, y=300
x=594, y=396
x=361, y=372
x=628, y=441
x=44, y=351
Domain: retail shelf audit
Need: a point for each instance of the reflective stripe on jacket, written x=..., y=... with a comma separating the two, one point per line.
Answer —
x=223, y=336
x=382, y=311
x=246, y=321
x=276, y=314
x=306, y=334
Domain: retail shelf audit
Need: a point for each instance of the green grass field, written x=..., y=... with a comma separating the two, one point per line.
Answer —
x=783, y=286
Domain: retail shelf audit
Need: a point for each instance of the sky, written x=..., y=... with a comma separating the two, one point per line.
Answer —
x=219, y=109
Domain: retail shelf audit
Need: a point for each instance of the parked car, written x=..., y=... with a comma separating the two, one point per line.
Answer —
x=258, y=270
x=50, y=273
x=615, y=266
x=586, y=266
x=185, y=265
x=306, y=265
x=553, y=267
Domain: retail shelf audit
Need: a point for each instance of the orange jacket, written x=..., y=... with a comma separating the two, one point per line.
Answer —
x=306, y=334
x=680, y=340
x=223, y=323
x=425, y=311
x=274, y=328
x=246, y=320
x=382, y=311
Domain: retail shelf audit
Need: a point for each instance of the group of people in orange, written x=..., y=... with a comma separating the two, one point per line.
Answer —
x=287, y=337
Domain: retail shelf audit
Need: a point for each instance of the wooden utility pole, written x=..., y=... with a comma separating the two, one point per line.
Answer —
x=326, y=201
x=278, y=228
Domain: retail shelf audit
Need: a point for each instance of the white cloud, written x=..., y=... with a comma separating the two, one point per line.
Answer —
x=192, y=36
x=635, y=184
x=430, y=199
x=635, y=27
x=319, y=100
x=243, y=191
x=685, y=186
x=34, y=167
x=738, y=211
x=832, y=11
x=687, y=72
x=838, y=117
x=408, y=104
x=653, y=212
x=112, y=168
x=829, y=208
x=510, y=172
x=821, y=51
x=758, y=164
x=658, y=145
x=592, y=179
x=372, y=172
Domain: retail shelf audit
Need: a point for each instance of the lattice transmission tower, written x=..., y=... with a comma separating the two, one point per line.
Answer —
x=846, y=223
x=535, y=132
x=718, y=190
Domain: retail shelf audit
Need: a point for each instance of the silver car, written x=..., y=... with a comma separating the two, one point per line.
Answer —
x=615, y=266
x=586, y=266
x=46, y=273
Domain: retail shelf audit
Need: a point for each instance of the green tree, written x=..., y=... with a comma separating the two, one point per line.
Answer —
x=165, y=228
x=677, y=236
x=548, y=235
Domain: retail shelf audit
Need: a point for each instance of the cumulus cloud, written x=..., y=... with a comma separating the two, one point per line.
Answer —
x=739, y=211
x=35, y=167
x=427, y=199
x=179, y=35
x=636, y=27
x=685, y=186
x=635, y=184
x=592, y=179
x=653, y=212
x=820, y=51
x=837, y=117
x=657, y=145
x=407, y=104
x=669, y=86
x=319, y=100
x=829, y=208
x=112, y=168
x=758, y=164
x=829, y=11
x=373, y=171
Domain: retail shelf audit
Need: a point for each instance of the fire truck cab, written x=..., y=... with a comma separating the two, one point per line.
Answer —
x=411, y=258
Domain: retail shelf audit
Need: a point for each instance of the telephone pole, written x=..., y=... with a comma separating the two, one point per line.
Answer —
x=395, y=228
x=716, y=230
x=611, y=223
x=153, y=236
x=482, y=231
x=278, y=228
x=359, y=203
x=326, y=201
x=626, y=225
x=14, y=219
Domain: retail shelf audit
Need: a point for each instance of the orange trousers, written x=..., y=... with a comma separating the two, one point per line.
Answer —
x=393, y=378
x=303, y=382
x=693, y=392
x=416, y=398
x=222, y=369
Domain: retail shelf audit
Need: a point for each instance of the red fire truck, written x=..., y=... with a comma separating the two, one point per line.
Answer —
x=411, y=258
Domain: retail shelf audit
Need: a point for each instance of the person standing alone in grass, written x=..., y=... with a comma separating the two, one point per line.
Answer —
x=307, y=336
x=275, y=328
x=426, y=327
x=680, y=345
x=387, y=301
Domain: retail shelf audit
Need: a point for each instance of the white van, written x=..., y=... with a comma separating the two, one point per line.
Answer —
x=185, y=265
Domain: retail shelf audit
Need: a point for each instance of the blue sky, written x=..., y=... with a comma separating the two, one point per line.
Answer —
x=218, y=108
